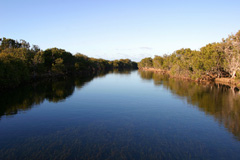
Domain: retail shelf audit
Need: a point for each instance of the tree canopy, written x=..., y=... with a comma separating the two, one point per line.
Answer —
x=213, y=60
x=20, y=62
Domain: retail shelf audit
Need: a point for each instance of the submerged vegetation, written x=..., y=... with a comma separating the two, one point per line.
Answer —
x=20, y=62
x=215, y=60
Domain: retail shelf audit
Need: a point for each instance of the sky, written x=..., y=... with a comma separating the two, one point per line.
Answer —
x=115, y=29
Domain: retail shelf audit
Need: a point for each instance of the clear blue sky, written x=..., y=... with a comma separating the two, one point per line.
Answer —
x=114, y=29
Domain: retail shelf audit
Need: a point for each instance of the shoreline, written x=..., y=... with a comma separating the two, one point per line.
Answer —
x=224, y=81
x=52, y=76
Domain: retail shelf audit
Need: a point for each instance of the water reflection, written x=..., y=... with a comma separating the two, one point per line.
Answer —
x=23, y=98
x=119, y=117
x=220, y=101
x=52, y=90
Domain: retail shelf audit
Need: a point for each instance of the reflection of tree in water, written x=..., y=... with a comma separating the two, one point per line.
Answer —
x=146, y=75
x=25, y=97
x=121, y=71
x=59, y=90
x=220, y=101
x=53, y=90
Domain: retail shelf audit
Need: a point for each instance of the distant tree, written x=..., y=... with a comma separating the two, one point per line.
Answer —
x=35, y=48
x=115, y=64
x=231, y=46
x=9, y=43
x=24, y=44
x=13, y=70
x=212, y=58
x=158, y=62
x=38, y=63
x=51, y=55
x=58, y=66
x=146, y=62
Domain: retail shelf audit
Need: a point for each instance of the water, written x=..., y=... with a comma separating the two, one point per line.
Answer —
x=127, y=115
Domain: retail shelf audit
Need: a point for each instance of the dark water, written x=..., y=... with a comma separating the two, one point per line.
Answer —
x=127, y=115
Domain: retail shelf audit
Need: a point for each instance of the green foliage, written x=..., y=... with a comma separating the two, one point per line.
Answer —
x=38, y=63
x=82, y=62
x=124, y=64
x=58, y=66
x=19, y=62
x=238, y=75
x=213, y=60
x=146, y=63
x=12, y=70
x=211, y=56
x=158, y=62
x=54, y=56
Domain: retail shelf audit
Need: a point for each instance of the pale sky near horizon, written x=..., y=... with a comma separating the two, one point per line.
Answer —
x=114, y=29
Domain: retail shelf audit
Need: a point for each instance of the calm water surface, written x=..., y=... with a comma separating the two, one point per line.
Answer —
x=128, y=115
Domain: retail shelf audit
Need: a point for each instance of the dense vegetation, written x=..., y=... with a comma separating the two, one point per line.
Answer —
x=211, y=61
x=20, y=62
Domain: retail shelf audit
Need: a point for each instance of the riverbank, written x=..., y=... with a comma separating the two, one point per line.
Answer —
x=233, y=83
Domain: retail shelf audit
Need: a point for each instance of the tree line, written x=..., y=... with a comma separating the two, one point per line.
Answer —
x=19, y=62
x=214, y=60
